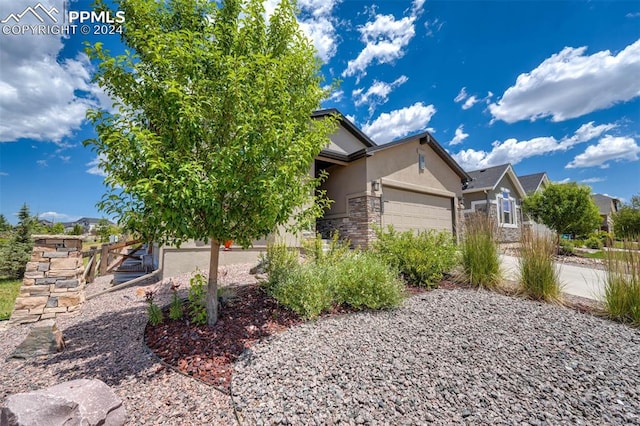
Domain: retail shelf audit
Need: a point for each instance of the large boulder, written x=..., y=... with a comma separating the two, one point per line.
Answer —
x=78, y=402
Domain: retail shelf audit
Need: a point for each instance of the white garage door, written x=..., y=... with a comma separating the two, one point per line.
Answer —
x=413, y=210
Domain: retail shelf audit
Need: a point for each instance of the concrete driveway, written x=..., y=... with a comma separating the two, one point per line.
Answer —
x=576, y=280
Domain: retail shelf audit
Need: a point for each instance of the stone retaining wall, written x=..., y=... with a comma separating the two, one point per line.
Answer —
x=53, y=281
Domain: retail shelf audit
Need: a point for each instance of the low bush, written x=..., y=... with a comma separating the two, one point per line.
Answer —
x=594, y=242
x=421, y=259
x=480, y=258
x=306, y=289
x=538, y=275
x=336, y=277
x=362, y=281
x=9, y=289
x=198, y=299
x=622, y=287
x=565, y=248
x=278, y=264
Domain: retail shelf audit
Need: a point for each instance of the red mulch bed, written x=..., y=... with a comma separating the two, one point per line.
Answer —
x=208, y=352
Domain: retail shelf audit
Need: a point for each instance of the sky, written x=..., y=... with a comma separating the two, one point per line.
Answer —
x=548, y=86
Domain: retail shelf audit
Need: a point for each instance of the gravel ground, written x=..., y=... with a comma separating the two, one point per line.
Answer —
x=105, y=341
x=447, y=356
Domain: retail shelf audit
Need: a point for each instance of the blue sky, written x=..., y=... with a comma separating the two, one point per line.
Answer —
x=546, y=85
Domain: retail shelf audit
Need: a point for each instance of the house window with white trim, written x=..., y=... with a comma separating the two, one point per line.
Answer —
x=507, y=207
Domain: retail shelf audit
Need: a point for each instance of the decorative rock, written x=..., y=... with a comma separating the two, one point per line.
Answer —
x=43, y=339
x=78, y=402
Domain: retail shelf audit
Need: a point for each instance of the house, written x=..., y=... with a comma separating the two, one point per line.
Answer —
x=412, y=184
x=531, y=184
x=497, y=191
x=607, y=207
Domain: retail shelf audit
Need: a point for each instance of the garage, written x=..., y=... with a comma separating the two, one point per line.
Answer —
x=416, y=210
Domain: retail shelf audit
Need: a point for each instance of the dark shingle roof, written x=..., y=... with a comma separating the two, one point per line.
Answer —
x=486, y=178
x=530, y=183
x=604, y=203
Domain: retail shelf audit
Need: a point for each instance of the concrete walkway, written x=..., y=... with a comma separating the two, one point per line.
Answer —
x=576, y=280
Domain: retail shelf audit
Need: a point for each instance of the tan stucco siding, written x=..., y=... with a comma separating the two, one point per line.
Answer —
x=400, y=164
x=342, y=182
x=343, y=142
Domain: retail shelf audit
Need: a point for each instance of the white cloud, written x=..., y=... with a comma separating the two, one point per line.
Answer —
x=592, y=180
x=433, y=26
x=565, y=180
x=377, y=94
x=351, y=118
x=316, y=21
x=4, y=174
x=385, y=40
x=42, y=163
x=459, y=136
x=399, y=123
x=94, y=167
x=41, y=97
x=570, y=84
x=336, y=96
x=65, y=158
x=633, y=15
x=461, y=96
x=514, y=151
x=608, y=149
x=471, y=101
x=58, y=217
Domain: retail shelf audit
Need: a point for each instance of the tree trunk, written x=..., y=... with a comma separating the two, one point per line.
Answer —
x=212, y=287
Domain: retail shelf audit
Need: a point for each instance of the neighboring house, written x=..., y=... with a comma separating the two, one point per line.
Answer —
x=497, y=192
x=411, y=183
x=607, y=207
x=532, y=184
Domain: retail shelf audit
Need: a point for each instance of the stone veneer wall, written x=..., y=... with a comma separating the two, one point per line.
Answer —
x=53, y=282
x=505, y=234
x=363, y=214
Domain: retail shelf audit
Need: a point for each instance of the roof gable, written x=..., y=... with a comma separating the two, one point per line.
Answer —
x=531, y=183
x=489, y=178
x=606, y=205
x=425, y=138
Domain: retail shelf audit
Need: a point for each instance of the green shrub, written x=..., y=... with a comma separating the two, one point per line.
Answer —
x=565, y=248
x=198, y=299
x=362, y=281
x=315, y=250
x=594, y=242
x=421, y=259
x=306, y=289
x=175, y=309
x=480, y=259
x=356, y=279
x=622, y=287
x=278, y=264
x=153, y=311
x=538, y=275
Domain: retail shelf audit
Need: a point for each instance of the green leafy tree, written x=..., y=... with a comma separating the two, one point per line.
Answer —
x=566, y=208
x=57, y=229
x=16, y=254
x=77, y=229
x=212, y=138
x=4, y=224
x=103, y=230
x=626, y=222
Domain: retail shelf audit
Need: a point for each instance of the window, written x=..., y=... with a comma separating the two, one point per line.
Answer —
x=421, y=163
x=507, y=208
